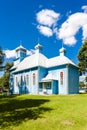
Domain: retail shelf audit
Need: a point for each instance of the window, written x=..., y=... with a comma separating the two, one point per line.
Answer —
x=47, y=85
x=61, y=78
x=16, y=81
x=21, y=80
x=34, y=78
x=27, y=79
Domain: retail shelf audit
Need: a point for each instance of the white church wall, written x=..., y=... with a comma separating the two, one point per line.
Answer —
x=60, y=74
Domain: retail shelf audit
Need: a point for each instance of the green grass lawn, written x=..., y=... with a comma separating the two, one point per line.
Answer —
x=33, y=112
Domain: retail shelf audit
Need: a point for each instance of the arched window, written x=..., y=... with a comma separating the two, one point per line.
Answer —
x=27, y=79
x=61, y=78
x=34, y=78
x=21, y=80
x=16, y=81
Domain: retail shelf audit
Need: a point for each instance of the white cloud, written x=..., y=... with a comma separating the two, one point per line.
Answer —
x=30, y=52
x=71, y=26
x=9, y=53
x=46, y=31
x=47, y=17
x=48, y=20
x=84, y=28
x=69, y=40
x=84, y=8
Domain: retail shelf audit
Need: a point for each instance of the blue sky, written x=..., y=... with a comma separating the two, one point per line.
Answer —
x=54, y=22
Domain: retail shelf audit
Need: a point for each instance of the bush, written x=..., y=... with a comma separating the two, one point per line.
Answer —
x=81, y=84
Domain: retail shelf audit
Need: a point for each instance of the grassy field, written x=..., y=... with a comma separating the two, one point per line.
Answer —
x=32, y=112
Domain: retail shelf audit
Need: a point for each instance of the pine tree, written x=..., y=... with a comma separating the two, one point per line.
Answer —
x=82, y=57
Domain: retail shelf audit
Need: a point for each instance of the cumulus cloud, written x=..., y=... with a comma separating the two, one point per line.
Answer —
x=84, y=28
x=47, y=21
x=30, y=52
x=46, y=31
x=70, y=28
x=84, y=8
x=11, y=53
x=48, y=25
x=47, y=17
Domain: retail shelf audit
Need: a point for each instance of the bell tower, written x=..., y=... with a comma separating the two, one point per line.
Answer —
x=20, y=52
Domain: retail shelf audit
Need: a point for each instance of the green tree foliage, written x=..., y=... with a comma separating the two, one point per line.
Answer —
x=86, y=78
x=82, y=57
x=2, y=55
x=1, y=81
x=4, y=80
x=81, y=84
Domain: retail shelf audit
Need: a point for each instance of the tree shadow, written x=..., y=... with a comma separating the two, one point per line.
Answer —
x=14, y=111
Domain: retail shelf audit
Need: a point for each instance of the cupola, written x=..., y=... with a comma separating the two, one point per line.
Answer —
x=38, y=48
x=62, y=51
x=20, y=52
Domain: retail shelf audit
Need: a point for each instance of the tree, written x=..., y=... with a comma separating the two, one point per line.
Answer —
x=7, y=74
x=81, y=84
x=86, y=80
x=82, y=57
x=1, y=81
x=2, y=55
x=5, y=78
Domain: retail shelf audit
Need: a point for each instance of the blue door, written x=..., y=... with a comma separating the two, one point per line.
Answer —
x=55, y=87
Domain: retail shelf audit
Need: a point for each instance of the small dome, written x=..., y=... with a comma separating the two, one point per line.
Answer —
x=62, y=50
x=20, y=48
x=38, y=46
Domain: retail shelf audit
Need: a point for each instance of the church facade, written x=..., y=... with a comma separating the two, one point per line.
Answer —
x=36, y=74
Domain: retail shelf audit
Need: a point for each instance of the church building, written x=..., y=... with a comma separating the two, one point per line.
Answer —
x=37, y=74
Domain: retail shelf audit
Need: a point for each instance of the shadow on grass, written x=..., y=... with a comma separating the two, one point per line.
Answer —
x=14, y=111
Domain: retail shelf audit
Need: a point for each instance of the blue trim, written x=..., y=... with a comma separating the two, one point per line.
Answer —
x=57, y=67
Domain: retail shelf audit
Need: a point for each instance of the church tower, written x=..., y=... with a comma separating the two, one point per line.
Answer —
x=20, y=54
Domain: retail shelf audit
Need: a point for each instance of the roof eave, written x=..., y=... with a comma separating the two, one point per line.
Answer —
x=72, y=65
x=29, y=68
